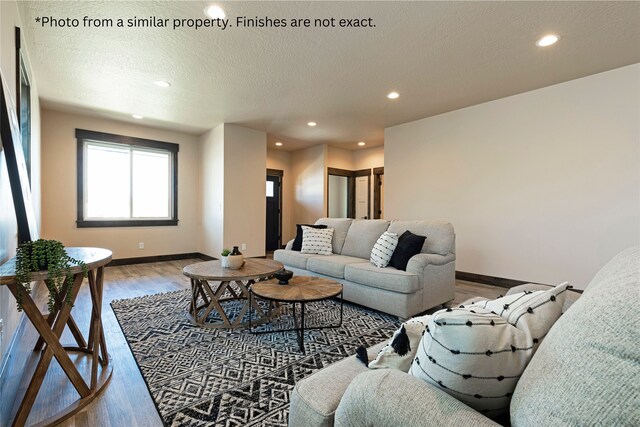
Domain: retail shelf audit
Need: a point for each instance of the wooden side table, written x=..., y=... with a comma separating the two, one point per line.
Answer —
x=50, y=327
x=300, y=290
x=210, y=283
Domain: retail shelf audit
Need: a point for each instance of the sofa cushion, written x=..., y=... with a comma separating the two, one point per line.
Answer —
x=586, y=370
x=297, y=241
x=383, y=249
x=314, y=399
x=340, y=227
x=383, y=278
x=331, y=265
x=409, y=244
x=440, y=235
x=316, y=241
x=292, y=258
x=477, y=354
x=362, y=235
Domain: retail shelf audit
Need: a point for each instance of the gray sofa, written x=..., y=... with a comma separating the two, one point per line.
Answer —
x=584, y=373
x=428, y=281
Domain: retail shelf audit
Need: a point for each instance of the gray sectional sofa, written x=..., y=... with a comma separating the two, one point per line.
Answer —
x=428, y=281
x=585, y=372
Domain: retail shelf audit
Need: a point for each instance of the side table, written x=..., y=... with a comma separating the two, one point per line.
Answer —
x=300, y=290
x=50, y=327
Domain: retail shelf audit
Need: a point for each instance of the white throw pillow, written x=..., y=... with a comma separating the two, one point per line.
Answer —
x=316, y=241
x=383, y=249
x=477, y=356
x=388, y=357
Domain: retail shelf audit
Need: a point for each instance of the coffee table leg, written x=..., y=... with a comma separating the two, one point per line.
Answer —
x=302, y=329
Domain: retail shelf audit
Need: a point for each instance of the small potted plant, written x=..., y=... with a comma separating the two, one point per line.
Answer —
x=224, y=260
x=45, y=255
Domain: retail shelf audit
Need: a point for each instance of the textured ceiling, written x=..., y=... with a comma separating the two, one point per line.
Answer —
x=440, y=56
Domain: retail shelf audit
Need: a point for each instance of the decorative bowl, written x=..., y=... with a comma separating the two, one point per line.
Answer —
x=283, y=276
x=235, y=261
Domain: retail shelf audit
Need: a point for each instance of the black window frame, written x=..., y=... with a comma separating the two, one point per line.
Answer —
x=83, y=135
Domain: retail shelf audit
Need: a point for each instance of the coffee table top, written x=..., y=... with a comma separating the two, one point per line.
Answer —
x=213, y=270
x=299, y=289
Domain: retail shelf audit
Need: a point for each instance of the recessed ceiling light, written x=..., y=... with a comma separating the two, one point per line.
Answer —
x=393, y=95
x=279, y=144
x=312, y=124
x=215, y=12
x=547, y=40
x=137, y=116
x=362, y=143
x=162, y=83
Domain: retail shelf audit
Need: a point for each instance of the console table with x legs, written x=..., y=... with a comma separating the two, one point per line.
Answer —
x=51, y=326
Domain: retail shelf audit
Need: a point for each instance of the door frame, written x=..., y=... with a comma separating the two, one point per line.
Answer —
x=377, y=183
x=351, y=188
x=280, y=174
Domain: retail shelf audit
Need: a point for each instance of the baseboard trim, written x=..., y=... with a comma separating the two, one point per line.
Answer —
x=159, y=258
x=500, y=282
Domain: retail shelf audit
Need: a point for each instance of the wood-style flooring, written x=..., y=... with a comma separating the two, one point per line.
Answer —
x=126, y=401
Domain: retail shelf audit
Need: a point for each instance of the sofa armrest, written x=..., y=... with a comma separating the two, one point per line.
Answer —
x=289, y=245
x=392, y=398
x=419, y=262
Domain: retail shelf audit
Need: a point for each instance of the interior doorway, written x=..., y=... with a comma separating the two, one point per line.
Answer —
x=378, y=193
x=273, y=238
x=348, y=194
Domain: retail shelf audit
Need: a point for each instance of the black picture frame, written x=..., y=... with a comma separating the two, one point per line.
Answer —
x=11, y=142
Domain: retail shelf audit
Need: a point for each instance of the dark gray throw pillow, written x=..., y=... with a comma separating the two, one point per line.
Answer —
x=297, y=242
x=409, y=244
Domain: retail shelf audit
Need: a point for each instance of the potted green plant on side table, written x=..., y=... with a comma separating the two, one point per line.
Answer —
x=48, y=255
x=224, y=260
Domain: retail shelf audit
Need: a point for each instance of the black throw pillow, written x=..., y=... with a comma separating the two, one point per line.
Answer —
x=297, y=242
x=409, y=244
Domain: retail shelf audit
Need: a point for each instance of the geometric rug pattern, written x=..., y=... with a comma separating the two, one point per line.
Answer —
x=230, y=377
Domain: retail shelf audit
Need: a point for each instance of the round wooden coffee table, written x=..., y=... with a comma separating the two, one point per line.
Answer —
x=300, y=290
x=212, y=284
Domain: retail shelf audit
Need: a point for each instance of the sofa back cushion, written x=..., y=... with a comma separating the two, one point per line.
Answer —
x=362, y=235
x=440, y=235
x=340, y=227
x=586, y=370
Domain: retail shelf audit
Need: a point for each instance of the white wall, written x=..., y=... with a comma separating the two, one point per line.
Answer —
x=281, y=160
x=212, y=190
x=59, y=197
x=339, y=158
x=310, y=177
x=543, y=186
x=245, y=159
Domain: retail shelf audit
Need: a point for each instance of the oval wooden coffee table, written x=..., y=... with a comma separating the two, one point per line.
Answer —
x=212, y=284
x=300, y=290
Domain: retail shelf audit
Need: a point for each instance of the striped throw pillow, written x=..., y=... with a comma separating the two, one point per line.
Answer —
x=383, y=249
x=477, y=353
x=316, y=241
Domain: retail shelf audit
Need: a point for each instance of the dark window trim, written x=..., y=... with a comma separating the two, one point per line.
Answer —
x=81, y=136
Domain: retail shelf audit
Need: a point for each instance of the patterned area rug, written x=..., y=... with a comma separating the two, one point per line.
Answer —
x=219, y=377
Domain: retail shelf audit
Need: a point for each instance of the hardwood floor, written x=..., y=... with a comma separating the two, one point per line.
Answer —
x=126, y=401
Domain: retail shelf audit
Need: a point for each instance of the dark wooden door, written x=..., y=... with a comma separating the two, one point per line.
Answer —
x=274, y=209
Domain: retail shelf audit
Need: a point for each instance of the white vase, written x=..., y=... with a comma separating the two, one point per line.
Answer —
x=224, y=261
x=235, y=261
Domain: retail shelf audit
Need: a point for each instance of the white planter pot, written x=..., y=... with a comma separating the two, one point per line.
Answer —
x=224, y=261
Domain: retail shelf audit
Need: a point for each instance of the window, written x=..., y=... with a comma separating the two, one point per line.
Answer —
x=125, y=181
